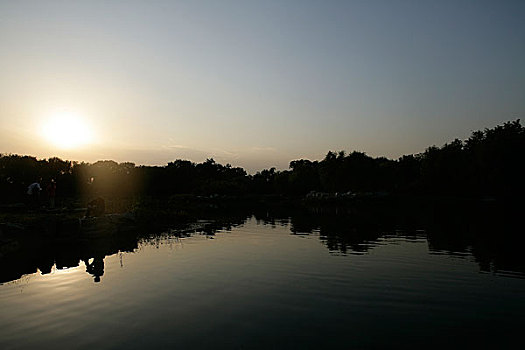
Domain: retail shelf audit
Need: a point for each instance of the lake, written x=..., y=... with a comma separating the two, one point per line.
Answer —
x=263, y=283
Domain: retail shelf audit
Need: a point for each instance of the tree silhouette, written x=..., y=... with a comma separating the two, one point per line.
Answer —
x=488, y=164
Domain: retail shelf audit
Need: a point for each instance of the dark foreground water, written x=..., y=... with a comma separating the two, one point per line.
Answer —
x=261, y=285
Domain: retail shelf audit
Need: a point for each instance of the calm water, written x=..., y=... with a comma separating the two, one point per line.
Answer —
x=261, y=285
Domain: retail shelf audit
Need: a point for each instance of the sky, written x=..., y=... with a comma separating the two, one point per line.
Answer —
x=254, y=83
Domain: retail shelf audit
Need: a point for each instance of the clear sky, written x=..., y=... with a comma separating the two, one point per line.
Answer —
x=254, y=83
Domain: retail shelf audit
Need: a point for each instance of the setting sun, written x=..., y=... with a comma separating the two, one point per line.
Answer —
x=67, y=130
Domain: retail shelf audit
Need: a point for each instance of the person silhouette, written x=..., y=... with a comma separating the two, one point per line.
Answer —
x=33, y=191
x=51, y=192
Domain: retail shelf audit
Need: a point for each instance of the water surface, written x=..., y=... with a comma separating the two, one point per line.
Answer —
x=265, y=284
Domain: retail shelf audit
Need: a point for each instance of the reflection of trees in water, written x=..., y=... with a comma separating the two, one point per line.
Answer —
x=492, y=235
x=39, y=253
x=342, y=234
x=342, y=229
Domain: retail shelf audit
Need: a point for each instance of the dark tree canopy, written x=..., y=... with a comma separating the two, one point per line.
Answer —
x=488, y=163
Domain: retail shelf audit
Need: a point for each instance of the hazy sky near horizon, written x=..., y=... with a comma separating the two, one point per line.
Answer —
x=255, y=83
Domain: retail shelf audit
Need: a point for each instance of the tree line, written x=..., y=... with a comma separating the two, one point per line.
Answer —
x=488, y=163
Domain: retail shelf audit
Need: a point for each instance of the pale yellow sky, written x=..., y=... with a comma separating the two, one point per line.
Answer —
x=256, y=84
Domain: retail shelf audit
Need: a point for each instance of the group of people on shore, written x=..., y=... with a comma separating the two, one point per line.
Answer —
x=95, y=207
x=34, y=193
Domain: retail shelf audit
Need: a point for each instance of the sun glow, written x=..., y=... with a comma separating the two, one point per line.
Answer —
x=67, y=130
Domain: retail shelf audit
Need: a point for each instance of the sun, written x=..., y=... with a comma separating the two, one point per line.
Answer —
x=67, y=130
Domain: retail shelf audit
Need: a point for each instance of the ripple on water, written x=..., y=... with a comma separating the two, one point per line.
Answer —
x=261, y=286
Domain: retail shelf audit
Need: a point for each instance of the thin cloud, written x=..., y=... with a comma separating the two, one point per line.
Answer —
x=263, y=149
